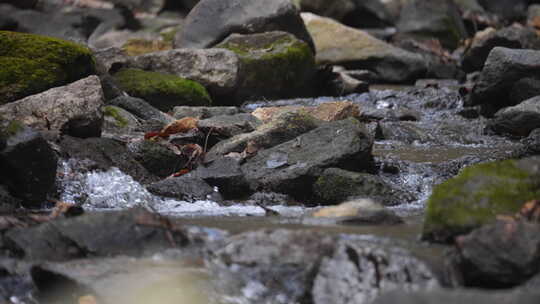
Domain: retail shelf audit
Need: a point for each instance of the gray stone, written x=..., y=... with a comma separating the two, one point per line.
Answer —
x=216, y=69
x=226, y=126
x=292, y=167
x=203, y=112
x=141, y=109
x=119, y=121
x=210, y=21
x=184, y=188
x=226, y=174
x=512, y=11
x=157, y=158
x=74, y=109
x=518, y=120
x=457, y=296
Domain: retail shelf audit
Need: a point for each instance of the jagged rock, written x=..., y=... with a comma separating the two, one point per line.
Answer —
x=338, y=44
x=210, y=21
x=184, y=188
x=292, y=167
x=74, y=109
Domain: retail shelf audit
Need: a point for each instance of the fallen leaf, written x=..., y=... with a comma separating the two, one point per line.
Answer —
x=181, y=172
x=150, y=135
x=179, y=126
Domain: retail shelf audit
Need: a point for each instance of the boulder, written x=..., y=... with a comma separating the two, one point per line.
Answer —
x=358, y=212
x=292, y=167
x=101, y=154
x=337, y=185
x=359, y=270
x=273, y=65
x=226, y=126
x=502, y=70
x=216, y=69
x=109, y=59
x=27, y=164
x=211, y=21
x=509, y=11
x=338, y=44
x=133, y=232
x=24, y=4
x=477, y=195
x=140, y=46
x=74, y=109
x=184, y=188
x=513, y=37
x=157, y=158
x=283, y=128
x=442, y=296
x=163, y=91
x=32, y=64
x=328, y=111
x=226, y=174
x=499, y=255
x=530, y=147
x=439, y=19
x=203, y=112
x=516, y=121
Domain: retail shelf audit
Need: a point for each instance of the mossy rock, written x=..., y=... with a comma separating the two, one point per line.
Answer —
x=163, y=91
x=135, y=47
x=272, y=65
x=32, y=64
x=478, y=194
x=337, y=185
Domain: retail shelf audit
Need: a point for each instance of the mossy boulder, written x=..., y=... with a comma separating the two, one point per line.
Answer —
x=163, y=91
x=118, y=120
x=478, y=194
x=337, y=185
x=32, y=64
x=272, y=65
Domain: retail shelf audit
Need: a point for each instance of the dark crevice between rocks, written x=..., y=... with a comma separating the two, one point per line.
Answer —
x=56, y=288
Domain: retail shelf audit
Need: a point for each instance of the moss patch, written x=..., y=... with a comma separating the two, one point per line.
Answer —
x=476, y=196
x=274, y=65
x=135, y=47
x=112, y=111
x=163, y=91
x=32, y=63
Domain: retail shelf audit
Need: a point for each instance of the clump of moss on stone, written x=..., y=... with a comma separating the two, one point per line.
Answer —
x=32, y=63
x=164, y=91
x=274, y=64
x=135, y=47
x=475, y=197
x=111, y=111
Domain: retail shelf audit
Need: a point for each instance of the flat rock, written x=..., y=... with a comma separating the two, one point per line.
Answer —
x=517, y=121
x=184, y=188
x=329, y=111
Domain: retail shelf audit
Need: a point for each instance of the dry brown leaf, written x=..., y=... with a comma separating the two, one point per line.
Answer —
x=179, y=126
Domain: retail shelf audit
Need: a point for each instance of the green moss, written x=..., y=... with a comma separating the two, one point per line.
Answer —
x=273, y=66
x=476, y=196
x=164, y=91
x=32, y=63
x=112, y=111
x=168, y=36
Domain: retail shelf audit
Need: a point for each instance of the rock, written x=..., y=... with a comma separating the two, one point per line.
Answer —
x=405, y=131
x=358, y=50
x=337, y=185
x=203, y=112
x=502, y=70
x=8, y=203
x=141, y=109
x=531, y=145
x=439, y=19
x=24, y=4
x=499, y=255
x=283, y=128
x=442, y=296
x=273, y=65
x=257, y=258
x=292, y=167
x=74, y=109
x=477, y=195
x=136, y=47
x=119, y=121
x=328, y=111
x=359, y=14
x=343, y=84
x=226, y=174
x=135, y=232
x=533, y=15
x=185, y=188
x=102, y=154
x=157, y=158
x=108, y=58
x=216, y=69
x=226, y=126
x=32, y=64
x=359, y=270
x=27, y=164
x=359, y=212
x=513, y=37
x=518, y=120
x=147, y=6
x=509, y=11
x=210, y=21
